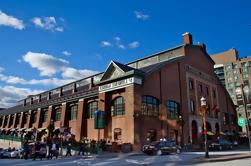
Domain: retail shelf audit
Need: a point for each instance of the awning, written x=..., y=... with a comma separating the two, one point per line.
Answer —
x=41, y=129
x=56, y=128
x=13, y=129
x=222, y=133
x=21, y=129
x=210, y=133
x=29, y=129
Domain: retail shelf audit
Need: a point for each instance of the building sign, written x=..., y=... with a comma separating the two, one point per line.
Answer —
x=99, y=120
x=120, y=84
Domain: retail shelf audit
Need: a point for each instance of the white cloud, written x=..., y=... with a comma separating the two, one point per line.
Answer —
x=106, y=44
x=121, y=46
x=134, y=44
x=117, y=42
x=10, y=95
x=13, y=80
x=66, y=53
x=141, y=16
x=47, y=64
x=11, y=21
x=77, y=74
x=47, y=23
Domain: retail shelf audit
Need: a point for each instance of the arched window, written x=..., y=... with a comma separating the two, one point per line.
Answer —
x=173, y=109
x=150, y=106
x=118, y=106
x=92, y=107
x=73, y=111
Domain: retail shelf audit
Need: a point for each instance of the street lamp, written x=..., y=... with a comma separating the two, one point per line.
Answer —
x=61, y=130
x=203, y=104
x=245, y=95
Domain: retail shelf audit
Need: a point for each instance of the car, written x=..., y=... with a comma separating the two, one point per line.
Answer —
x=161, y=147
x=17, y=153
x=2, y=152
x=220, y=144
x=6, y=153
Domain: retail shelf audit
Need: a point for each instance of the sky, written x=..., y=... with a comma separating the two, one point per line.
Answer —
x=48, y=43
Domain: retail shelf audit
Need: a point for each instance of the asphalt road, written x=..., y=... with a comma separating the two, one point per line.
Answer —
x=186, y=158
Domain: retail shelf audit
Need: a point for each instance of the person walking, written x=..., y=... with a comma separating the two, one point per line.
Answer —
x=37, y=150
x=26, y=150
x=68, y=149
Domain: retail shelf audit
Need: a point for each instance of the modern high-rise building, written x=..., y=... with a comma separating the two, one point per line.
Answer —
x=235, y=74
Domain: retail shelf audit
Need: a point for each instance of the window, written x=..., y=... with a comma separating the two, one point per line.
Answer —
x=245, y=76
x=117, y=134
x=244, y=70
x=34, y=117
x=234, y=66
x=235, y=72
x=230, y=85
x=229, y=79
x=172, y=109
x=118, y=106
x=24, y=118
x=214, y=93
x=150, y=106
x=225, y=118
x=237, y=84
x=207, y=90
x=92, y=108
x=58, y=111
x=244, y=64
x=192, y=106
x=200, y=87
x=74, y=111
x=190, y=84
x=228, y=73
x=228, y=66
x=246, y=82
x=44, y=115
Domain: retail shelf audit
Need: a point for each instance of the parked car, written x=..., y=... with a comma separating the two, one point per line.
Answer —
x=161, y=147
x=220, y=144
x=18, y=153
x=6, y=153
x=2, y=152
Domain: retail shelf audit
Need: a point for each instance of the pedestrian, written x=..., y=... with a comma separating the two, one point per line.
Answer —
x=68, y=149
x=37, y=150
x=26, y=150
x=53, y=150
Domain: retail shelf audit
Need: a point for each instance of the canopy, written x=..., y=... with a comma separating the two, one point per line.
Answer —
x=29, y=129
x=41, y=129
x=210, y=133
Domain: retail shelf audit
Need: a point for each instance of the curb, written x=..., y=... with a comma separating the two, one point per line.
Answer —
x=223, y=158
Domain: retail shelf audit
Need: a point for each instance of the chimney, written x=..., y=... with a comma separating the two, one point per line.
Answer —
x=187, y=38
x=203, y=46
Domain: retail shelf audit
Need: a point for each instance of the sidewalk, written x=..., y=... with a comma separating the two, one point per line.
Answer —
x=220, y=158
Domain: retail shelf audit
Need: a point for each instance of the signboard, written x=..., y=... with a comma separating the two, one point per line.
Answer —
x=241, y=122
x=120, y=84
x=99, y=120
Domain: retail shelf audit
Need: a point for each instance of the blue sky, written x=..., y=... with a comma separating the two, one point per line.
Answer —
x=45, y=43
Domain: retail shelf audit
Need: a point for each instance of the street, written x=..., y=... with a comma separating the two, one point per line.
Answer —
x=185, y=158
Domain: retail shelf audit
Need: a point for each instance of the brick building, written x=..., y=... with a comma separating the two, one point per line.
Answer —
x=151, y=98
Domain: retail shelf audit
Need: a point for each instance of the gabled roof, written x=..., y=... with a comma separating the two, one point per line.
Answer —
x=117, y=70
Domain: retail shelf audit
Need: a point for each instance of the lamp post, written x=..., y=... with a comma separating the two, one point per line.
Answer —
x=61, y=129
x=245, y=95
x=203, y=104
